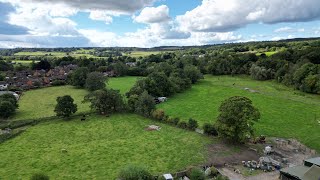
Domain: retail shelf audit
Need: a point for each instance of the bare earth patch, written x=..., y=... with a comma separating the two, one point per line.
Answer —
x=228, y=158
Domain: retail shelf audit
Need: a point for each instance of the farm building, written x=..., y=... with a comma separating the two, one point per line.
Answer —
x=310, y=170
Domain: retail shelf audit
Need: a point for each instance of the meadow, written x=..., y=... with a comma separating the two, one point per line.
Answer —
x=137, y=54
x=124, y=84
x=40, y=103
x=284, y=112
x=99, y=147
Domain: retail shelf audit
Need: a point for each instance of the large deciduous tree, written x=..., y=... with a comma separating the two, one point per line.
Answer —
x=8, y=105
x=106, y=101
x=145, y=104
x=95, y=81
x=79, y=77
x=65, y=106
x=236, y=119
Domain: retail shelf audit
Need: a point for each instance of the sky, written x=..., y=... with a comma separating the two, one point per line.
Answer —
x=152, y=23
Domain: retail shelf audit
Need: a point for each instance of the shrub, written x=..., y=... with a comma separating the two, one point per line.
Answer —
x=214, y=171
x=176, y=121
x=58, y=83
x=39, y=176
x=6, y=109
x=135, y=173
x=220, y=177
x=173, y=121
x=182, y=125
x=192, y=124
x=158, y=114
x=196, y=174
x=209, y=129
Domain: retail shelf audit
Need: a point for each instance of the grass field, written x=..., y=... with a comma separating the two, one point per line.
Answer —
x=24, y=62
x=142, y=53
x=41, y=102
x=270, y=53
x=76, y=54
x=284, y=112
x=98, y=148
x=40, y=53
x=123, y=84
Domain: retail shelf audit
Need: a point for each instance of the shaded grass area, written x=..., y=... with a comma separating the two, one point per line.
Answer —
x=41, y=102
x=284, y=112
x=98, y=147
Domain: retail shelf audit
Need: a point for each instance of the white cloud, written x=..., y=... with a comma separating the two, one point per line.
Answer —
x=119, y=6
x=100, y=16
x=227, y=15
x=153, y=15
x=288, y=30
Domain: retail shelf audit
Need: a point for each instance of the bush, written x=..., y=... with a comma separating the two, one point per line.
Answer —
x=6, y=109
x=39, y=176
x=220, y=177
x=135, y=173
x=173, y=121
x=214, y=171
x=209, y=129
x=158, y=114
x=196, y=174
x=183, y=125
x=192, y=124
x=58, y=83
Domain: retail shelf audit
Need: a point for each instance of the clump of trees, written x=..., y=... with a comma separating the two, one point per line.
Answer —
x=65, y=106
x=236, y=119
x=8, y=105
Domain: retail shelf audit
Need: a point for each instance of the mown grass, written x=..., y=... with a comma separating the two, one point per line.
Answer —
x=284, y=112
x=99, y=147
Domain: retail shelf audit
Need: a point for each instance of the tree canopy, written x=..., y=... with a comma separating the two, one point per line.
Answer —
x=236, y=119
x=65, y=106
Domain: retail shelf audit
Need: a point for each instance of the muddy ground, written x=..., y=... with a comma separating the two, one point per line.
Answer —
x=227, y=158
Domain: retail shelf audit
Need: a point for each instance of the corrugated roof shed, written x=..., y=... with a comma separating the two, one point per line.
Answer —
x=296, y=171
x=315, y=161
x=312, y=174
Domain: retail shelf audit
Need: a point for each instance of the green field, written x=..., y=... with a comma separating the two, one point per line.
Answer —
x=24, y=62
x=41, y=102
x=79, y=53
x=284, y=112
x=124, y=84
x=270, y=53
x=40, y=53
x=141, y=53
x=99, y=147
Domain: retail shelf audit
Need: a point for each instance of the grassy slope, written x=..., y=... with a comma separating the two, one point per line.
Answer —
x=283, y=112
x=98, y=148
